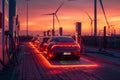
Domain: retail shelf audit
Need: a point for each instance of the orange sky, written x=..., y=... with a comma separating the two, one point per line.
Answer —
x=70, y=13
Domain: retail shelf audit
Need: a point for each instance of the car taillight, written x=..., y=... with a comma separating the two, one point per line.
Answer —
x=53, y=46
x=67, y=46
x=78, y=45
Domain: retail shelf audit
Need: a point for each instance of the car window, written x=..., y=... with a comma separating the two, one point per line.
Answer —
x=63, y=39
x=51, y=40
x=45, y=39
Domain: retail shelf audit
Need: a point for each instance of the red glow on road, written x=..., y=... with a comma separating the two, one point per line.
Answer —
x=47, y=63
x=55, y=72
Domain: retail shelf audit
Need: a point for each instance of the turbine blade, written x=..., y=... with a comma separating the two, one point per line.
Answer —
x=89, y=16
x=48, y=14
x=59, y=7
x=104, y=13
x=57, y=19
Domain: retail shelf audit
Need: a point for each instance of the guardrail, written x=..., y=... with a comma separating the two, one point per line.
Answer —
x=111, y=42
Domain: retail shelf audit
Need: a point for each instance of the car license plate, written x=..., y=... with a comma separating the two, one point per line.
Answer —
x=67, y=53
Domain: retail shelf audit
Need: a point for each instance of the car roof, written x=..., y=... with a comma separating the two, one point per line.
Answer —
x=56, y=37
x=62, y=37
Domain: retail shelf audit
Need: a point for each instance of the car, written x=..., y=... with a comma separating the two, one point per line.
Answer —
x=43, y=41
x=35, y=40
x=62, y=47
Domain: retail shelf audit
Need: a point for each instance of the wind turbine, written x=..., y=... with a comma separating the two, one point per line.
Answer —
x=54, y=14
x=102, y=6
x=91, y=23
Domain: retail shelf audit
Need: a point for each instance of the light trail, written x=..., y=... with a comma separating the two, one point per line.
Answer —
x=47, y=63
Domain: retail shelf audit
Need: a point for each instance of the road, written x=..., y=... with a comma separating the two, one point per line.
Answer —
x=34, y=67
x=43, y=71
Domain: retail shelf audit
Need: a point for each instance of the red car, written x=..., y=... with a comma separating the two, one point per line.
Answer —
x=63, y=47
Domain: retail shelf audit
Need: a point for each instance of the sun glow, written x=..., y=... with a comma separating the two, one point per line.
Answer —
x=29, y=23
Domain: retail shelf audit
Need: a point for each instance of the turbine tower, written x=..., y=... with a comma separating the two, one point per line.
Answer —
x=91, y=22
x=95, y=18
x=54, y=14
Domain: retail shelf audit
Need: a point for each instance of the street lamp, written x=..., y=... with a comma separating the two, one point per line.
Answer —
x=27, y=16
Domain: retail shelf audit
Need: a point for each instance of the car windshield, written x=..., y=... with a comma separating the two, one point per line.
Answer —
x=63, y=39
x=45, y=39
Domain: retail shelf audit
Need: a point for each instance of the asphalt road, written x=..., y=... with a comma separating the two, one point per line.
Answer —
x=33, y=66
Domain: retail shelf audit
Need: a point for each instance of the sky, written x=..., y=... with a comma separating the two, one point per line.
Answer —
x=71, y=12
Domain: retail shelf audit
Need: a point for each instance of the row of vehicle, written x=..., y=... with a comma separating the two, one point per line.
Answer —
x=58, y=47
